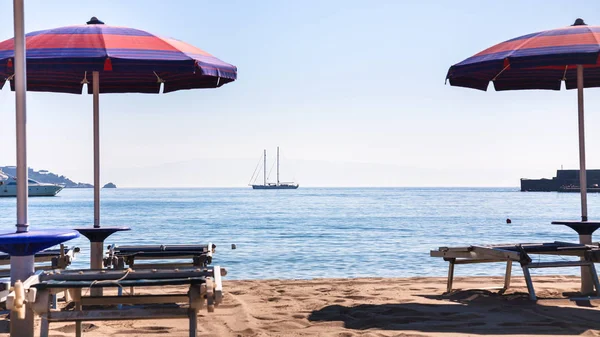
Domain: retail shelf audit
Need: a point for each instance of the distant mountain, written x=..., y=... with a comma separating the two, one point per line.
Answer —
x=44, y=176
x=109, y=185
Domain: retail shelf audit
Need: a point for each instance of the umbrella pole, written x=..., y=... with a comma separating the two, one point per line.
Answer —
x=20, y=91
x=96, y=91
x=21, y=267
x=582, y=169
x=587, y=286
x=96, y=248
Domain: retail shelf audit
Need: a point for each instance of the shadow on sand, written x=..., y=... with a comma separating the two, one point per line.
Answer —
x=470, y=312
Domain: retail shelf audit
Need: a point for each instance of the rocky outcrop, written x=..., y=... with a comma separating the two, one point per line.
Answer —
x=44, y=176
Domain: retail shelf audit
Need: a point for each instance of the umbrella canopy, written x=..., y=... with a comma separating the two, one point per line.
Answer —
x=541, y=61
x=128, y=60
x=535, y=61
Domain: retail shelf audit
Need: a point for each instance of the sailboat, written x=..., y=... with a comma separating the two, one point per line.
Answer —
x=273, y=186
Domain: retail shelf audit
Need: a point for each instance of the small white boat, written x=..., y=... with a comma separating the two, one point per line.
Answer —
x=8, y=187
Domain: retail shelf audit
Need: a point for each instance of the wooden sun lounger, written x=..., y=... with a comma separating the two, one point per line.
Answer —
x=519, y=252
x=204, y=290
x=196, y=256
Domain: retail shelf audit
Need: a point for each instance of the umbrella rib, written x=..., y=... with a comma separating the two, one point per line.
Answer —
x=524, y=43
x=85, y=80
x=501, y=71
x=158, y=79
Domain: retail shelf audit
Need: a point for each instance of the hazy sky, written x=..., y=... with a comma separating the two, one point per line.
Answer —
x=353, y=87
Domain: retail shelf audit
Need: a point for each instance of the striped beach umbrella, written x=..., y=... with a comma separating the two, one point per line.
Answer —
x=127, y=60
x=108, y=59
x=542, y=60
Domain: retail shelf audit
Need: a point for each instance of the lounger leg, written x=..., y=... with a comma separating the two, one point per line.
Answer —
x=43, y=306
x=68, y=297
x=595, y=278
x=507, y=275
x=77, y=299
x=53, y=302
x=44, y=326
x=450, y=274
x=529, y=283
x=193, y=317
x=120, y=293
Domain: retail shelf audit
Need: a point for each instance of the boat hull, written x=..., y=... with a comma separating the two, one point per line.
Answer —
x=34, y=190
x=275, y=187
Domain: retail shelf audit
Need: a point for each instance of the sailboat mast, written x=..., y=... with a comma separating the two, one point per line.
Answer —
x=265, y=168
x=278, y=166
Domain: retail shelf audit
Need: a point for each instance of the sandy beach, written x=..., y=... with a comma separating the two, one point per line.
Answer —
x=407, y=307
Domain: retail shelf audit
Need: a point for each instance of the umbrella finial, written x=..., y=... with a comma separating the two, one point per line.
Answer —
x=579, y=22
x=94, y=21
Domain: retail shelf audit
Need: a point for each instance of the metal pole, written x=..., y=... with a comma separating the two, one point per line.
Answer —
x=278, y=165
x=96, y=252
x=96, y=248
x=21, y=118
x=21, y=267
x=265, y=167
x=587, y=285
x=582, y=169
x=96, y=90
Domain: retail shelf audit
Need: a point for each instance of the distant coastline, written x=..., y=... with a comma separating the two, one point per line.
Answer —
x=45, y=176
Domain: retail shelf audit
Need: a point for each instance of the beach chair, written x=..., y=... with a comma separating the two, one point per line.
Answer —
x=204, y=290
x=163, y=256
x=59, y=258
x=520, y=253
x=48, y=259
x=160, y=257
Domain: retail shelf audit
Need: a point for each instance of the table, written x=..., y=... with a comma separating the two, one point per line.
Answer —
x=585, y=230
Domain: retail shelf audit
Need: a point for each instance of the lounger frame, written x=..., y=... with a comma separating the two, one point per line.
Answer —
x=519, y=252
x=204, y=290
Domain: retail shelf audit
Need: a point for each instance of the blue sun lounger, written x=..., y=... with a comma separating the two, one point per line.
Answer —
x=203, y=289
x=59, y=258
x=163, y=256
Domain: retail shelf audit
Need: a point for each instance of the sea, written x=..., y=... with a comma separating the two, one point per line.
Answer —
x=317, y=232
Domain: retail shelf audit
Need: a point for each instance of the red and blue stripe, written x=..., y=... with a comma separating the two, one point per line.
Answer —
x=129, y=60
x=534, y=61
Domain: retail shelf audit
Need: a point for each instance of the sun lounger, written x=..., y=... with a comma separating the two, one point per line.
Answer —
x=164, y=256
x=204, y=289
x=59, y=259
x=520, y=252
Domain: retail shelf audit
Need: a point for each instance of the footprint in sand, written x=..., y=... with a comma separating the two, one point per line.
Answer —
x=85, y=327
x=264, y=318
x=355, y=297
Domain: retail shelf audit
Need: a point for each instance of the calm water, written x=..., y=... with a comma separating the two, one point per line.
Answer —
x=317, y=232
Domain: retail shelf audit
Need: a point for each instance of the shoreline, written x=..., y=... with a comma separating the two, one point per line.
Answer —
x=409, y=307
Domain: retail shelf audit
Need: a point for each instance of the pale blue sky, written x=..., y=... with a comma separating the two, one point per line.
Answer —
x=355, y=88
